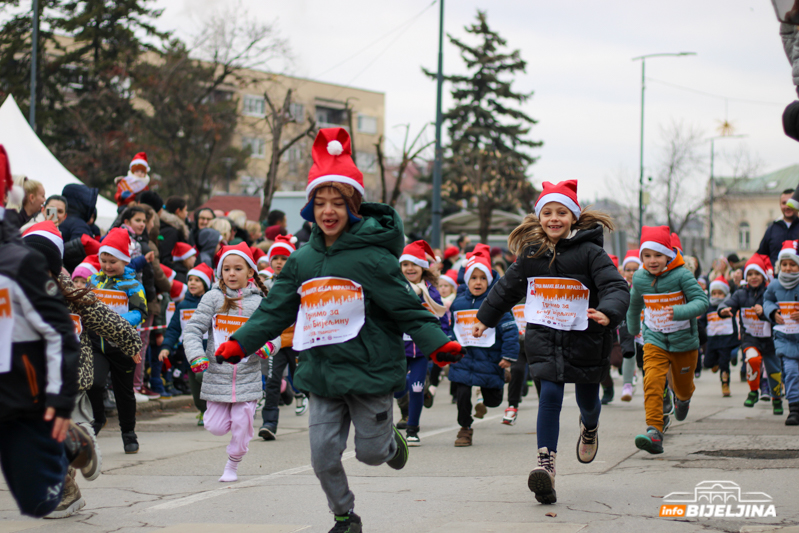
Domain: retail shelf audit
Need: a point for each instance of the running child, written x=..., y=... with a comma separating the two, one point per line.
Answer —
x=632, y=348
x=722, y=334
x=231, y=392
x=561, y=263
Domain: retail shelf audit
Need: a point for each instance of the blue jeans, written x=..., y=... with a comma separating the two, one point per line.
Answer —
x=550, y=403
x=414, y=386
x=34, y=465
x=790, y=377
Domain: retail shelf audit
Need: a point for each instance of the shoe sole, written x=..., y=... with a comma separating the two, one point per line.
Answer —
x=402, y=450
x=626, y=398
x=131, y=453
x=92, y=475
x=509, y=421
x=266, y=434
x=428, y=401
x=642, y=442
x=480, y=410
x=413, y=444
x=540, y=484
x=76, y=506
x=462, y=445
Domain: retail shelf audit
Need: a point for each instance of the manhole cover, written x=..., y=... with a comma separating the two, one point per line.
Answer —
x=751, y=454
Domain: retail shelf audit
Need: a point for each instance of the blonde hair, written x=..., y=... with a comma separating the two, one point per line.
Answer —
x=31, y=187
x=222, y=226
x=238, y=217
x=531, y=233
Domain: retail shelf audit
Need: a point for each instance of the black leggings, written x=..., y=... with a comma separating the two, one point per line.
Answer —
x=463, y=393
x=121, y=368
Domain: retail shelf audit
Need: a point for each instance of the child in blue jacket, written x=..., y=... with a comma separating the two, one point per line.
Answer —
x=486, y=357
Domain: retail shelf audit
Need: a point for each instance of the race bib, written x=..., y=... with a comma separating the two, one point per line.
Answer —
x=225, y=326
x=518, y=316
x=464, y=323
x=78, y=324
x=790, y=327
x=656, y=315
x=185, y=316
x=116, y=300
x=6, y=327
x=639, y=339
x=332, y=311
x=717, y=326
x=558, y=303
x=287, y=337
x=170, y=312
x=753, y=325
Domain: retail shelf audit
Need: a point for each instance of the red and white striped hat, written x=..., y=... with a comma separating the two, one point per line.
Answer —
x=720, y=284
x=182, y=251
x=632, y=256
x=479, y=259
x=564, y=193
x=178, y=291
x=332, y=161
x=417, y=252
x=760, y=263
x=140, y=159
x=203, y=272
x=90, y=263
x=267, y=272
x=789, y=251
x=657, y=239
x=168, y=272
x=451, y=277
x=284, y=245
x=242, y=250
x=117, y=243
x=49, y=231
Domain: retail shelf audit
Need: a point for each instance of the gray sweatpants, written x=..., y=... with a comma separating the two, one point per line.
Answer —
x=329, y=427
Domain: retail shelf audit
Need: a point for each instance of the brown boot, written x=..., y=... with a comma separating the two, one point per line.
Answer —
x=464, y=438
x=71, y=501
x=725, y=384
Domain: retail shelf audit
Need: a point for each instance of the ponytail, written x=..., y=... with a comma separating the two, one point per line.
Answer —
x=257, y=280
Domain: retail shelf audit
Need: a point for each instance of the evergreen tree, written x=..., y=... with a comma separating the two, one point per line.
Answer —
x=488, y=153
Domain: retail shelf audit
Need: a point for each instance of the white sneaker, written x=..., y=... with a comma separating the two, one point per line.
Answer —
x=627, y=392
x=510, y=416
x=141, y=398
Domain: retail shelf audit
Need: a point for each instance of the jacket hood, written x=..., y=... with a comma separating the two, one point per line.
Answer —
x=677, y=262
x=173, y=220
x=594, y=235
x=81, y=200
x=207, y=240
x=381, y=226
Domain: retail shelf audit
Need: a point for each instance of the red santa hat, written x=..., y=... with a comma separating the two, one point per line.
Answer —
x=140, y=159
x=451, y=277
x=564, y=193
x=789, y=251
x=203, y=272
x=257, y=254
x=632, y=256
x=479, y=259
x=332, y=161
x=168, y=272
x=451, y=251
x=6, y=181
x=284, y=245
x=657, y=239
x=182, y=251
x=675, y=242
x=267, y=272
x=90, y=265
x=117, y=243
x=49, y=231
x=178, y=291
x=760, y=263
x=417, y=252
x=720, y=284
x=615, y=259
x=242, y=250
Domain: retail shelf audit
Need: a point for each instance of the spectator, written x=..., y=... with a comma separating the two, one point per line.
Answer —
x=276, y=217
x=304, y=235
x=785, y=229
x=32, y=202
x=81, y=201
x=238, y=219
x=219, y=213
x=463, y=242
x=254, y=231
x=223, y=226
x=56, y=201
x=173, y=230
x=202, y=217
x=208, y=243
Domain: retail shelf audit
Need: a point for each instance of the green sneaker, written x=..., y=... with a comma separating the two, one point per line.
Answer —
x=776, y=406
x=200, y=421
x=401, y=457
x=651, y=441
x=751, y=399
x=348, y=523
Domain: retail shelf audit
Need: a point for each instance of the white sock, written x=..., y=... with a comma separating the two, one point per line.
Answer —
x=231, y=468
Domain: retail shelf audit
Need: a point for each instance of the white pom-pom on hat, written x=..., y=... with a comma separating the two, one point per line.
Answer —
x=293, y=239
x=334, y=148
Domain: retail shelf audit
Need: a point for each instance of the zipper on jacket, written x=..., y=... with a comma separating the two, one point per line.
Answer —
x=30, y=372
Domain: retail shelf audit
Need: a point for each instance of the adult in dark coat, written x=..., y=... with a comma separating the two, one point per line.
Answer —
x=81, y=202
x=785, y=229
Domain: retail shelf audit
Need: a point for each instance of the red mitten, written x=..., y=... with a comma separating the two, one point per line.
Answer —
x=230, y=352
x=90, y=245
x=451, y=352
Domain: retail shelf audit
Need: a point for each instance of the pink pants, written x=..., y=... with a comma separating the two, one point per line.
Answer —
x=236, y=418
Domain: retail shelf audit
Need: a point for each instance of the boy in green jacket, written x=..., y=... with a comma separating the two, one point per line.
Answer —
x=672, y=300
x=351, y=305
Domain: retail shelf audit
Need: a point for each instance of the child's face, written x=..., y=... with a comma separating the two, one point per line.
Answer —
x=478, y=283
x=557, y=220
x=786, y=265
x=137, y=223
x=654, y=262
x=79, y=282
x=444, y=288
x=277, y=263
x=628, y=271
x=717, y=293
x=196, y=287
x=754, y=278
x=236, y=272
x=189, y=262
x=139, y=172
x=330, y=213
x=111, y=265
x=411, y=271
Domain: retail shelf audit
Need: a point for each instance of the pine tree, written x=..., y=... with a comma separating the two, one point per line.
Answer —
x=488, y=153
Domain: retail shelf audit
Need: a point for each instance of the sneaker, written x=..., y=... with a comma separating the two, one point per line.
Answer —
x=588, y=443
x=71, y=501
x=348, y=523
x=301, y=405
x=607, y=395
x=464, y=438
x=403, y=423
x=141, y=398
x=725, y=384
x=666, y=423
x=751, y=399
x=734, y=359
x=81, y=449
x=149, y=392
x=776, y=406
x=698, y=372
x=541, y=480
x=715, y=369
x=130, y=442
x=681, y=409
x=412, y=436
x=200, y=419
x=627, y=392
x=510, y=416
x=765, y=397
x=480, y=409
x=400, y=458
x=651, y=441
x=268, y=432
x=668, y=401
x=429, y=396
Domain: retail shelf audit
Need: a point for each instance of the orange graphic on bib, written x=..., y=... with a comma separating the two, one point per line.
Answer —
x=791, y=326
x=225, y=326
x=558, y=303
x=332, y=311
x=463, y=326
x=753, y=325
x=6, y=329
x=656, y=312
x=518, y=315
x=322, y=292
x=5, y=304
x=717, y=325
x=116, y=300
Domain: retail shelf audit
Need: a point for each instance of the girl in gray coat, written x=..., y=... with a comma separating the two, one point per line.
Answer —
x=232, y=391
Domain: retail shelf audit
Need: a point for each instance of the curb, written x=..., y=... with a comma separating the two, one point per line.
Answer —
x=161, y=405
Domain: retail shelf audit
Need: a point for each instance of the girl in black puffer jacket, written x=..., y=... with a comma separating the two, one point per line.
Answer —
x=575, y=298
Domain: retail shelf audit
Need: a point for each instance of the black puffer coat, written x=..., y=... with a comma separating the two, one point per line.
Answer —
x=566, y=356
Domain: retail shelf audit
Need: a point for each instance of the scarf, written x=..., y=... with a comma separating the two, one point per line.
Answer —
x=789, y=280
x=714, y=300
x=421, y=290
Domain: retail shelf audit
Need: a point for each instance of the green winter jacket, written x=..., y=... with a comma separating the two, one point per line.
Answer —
x=374, y=361
x=675, y=278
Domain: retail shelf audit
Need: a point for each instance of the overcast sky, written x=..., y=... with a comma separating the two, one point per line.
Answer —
x=587, y=90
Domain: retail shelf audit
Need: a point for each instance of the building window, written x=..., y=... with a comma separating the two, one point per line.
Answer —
x=254, y=106
x=366, y=162
x=256, y=145
x=744, y=236
x=297, y=112
x=327, y=117
x=367, y=124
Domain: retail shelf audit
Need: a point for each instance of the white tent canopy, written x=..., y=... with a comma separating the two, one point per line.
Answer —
x=29, y=157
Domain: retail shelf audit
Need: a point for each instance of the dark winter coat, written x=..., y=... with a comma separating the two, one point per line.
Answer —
x=566, y=356
x=207, y=240
x=786, y=344
x=776, y=234
x=480, y=366
x=411, y=350
x=373, y=362
x=743, y=298
x=81, y=201
x=719, y=342
x=173, y=231
x=174, y=331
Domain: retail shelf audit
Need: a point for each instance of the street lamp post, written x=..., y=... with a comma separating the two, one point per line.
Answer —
x=435, y=237
x=713, y=183
x=641, y=155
